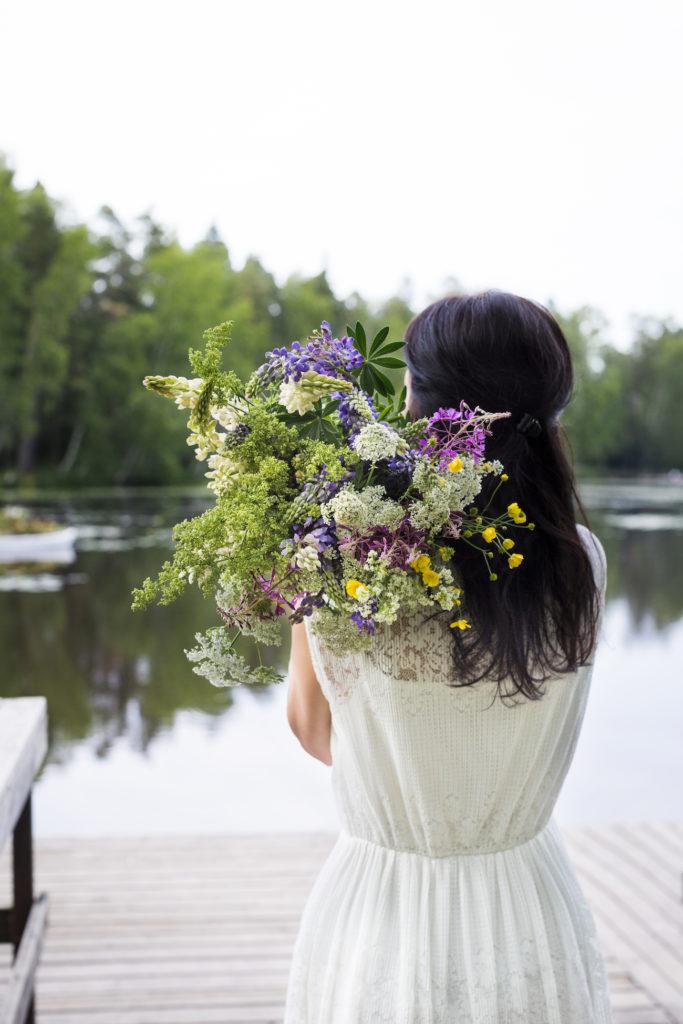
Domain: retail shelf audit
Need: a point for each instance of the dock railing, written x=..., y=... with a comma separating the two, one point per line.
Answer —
x=23, y=744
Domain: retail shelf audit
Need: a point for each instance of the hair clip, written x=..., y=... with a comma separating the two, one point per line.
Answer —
x=528, y=425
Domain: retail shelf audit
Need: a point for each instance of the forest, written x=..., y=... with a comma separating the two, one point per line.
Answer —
x=86, y=313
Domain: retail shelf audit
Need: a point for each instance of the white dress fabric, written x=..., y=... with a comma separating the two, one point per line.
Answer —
x=448, y=897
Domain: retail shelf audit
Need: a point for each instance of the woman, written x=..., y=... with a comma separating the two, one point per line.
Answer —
x=448, y=897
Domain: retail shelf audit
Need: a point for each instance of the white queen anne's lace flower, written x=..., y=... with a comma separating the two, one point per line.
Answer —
x=377, y=441
x=362, y=509
x=442, y=492
x=217, y=660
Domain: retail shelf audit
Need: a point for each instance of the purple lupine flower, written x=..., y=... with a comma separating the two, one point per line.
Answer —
x=350, y=416
x=364, y=625
x=315, y=533
x=332, y=357
x=320, y=488
x=304, y=604
x=396, y=474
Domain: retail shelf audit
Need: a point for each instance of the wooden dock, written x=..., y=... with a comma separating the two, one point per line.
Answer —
x=200, y=930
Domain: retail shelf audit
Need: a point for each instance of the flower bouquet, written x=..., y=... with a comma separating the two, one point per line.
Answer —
x=330, y=501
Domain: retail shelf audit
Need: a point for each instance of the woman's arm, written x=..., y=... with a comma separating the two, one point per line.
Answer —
x=308, y=712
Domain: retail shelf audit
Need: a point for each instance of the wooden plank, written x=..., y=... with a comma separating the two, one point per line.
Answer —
x=199, y=930
x=20, y=987
x=656, y=968
x=23, y=745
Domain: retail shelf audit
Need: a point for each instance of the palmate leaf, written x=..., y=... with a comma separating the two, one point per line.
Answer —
x=328, y=431
x=390, y=362
x=370, y=376
x=359, y=337
x=366, y=379
x=318, y=428
x=312, y=429
x=379, y=338
x=391, y=347
x=382, y=383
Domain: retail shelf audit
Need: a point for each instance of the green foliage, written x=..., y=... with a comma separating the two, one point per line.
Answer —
x=267, y=434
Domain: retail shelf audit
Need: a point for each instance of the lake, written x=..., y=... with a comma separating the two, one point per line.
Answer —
x=141, y=745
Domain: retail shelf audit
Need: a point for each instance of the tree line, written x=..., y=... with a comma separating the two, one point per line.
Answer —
x=85, y=314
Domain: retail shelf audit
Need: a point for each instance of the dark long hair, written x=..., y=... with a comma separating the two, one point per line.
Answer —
x=506, y=353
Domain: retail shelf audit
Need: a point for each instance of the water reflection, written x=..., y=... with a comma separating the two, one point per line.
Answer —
x=67, y=631
x=69, y=634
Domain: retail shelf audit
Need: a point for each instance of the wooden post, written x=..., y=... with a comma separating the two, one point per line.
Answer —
x=22, y=863
x=23, y=743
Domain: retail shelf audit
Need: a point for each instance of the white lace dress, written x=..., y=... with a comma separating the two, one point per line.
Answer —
x=448, y=897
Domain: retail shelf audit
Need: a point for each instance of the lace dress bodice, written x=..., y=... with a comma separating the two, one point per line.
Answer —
x=432, y=768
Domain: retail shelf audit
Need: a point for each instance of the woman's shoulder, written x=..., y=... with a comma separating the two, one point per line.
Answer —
x=596, y=553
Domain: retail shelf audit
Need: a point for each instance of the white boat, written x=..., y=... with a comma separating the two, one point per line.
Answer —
x=44, y=546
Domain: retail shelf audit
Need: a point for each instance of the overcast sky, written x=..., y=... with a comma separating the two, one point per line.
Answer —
x=531, y=146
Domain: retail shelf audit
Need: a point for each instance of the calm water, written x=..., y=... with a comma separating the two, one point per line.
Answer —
x=139, y=744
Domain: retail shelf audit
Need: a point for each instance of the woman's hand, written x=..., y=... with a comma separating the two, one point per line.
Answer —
x=308, y=712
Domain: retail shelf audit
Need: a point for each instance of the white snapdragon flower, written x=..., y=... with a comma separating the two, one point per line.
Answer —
x=230, y=414
x=184, y=392
x=205, y=441
x=301, y=395
x=307, y=558
x=377, y=441
x=223, y=471
x=186, y=397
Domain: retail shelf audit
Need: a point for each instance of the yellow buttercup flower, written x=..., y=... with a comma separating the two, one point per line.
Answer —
x=456, y=465
x=421, y=563
x=504, y=476
x=515, y=560
x=489, y=533
x=515, y=512
x=356, y=589
x=460, y=624
x=508, y=543
x=431, y=578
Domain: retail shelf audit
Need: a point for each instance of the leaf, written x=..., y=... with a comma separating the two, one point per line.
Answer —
x=391, y=347
x=327, y=431
x=401, y=401
x=360, y=339
x=380, y=337
x=393, y=364
x=366, y=378
x=312, y=429
x=384, y=385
